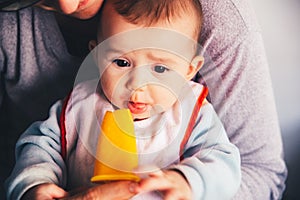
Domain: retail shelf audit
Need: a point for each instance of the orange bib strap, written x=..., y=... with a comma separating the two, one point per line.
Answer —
x=193, y=119
x=62, y=125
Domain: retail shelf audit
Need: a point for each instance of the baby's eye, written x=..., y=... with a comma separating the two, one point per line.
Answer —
x=121, y=62
x=160, y=69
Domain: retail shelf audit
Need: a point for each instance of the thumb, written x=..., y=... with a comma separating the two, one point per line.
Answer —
x=56, y=192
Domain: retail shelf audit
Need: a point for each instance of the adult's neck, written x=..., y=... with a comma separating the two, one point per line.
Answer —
x=77, y=33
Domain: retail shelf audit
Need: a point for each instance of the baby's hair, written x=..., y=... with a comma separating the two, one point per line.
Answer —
x=148, y=12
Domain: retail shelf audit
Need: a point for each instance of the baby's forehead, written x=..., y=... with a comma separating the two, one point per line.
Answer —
x=158, y=39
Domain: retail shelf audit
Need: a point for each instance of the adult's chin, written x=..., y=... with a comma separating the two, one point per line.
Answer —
x=84, y=15
x=88, y=12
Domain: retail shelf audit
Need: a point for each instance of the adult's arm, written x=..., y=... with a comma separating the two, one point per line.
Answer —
x=237, y=74
x=38, y=157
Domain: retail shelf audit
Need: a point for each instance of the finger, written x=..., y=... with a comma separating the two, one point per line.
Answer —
x=158, y=173
x=170, y=196
x=156, y=181
x=176, y=195
x=56, y=192
x=44, y=191
x=115, y=190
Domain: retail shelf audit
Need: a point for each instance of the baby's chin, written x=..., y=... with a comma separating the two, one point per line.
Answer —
x=140, y=117
x=148, y=114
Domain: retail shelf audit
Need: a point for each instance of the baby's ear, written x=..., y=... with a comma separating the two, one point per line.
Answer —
x=93, y=51
x=195, y=66
x=92, y=44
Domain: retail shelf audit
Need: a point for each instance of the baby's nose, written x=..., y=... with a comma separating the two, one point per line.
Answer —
x=138, y=78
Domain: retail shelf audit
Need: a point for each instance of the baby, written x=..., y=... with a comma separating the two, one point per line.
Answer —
x=147, y=53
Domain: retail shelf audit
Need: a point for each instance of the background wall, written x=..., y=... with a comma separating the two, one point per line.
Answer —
x=280, y=24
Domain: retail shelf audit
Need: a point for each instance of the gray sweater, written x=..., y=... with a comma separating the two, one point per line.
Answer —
x=36, y=69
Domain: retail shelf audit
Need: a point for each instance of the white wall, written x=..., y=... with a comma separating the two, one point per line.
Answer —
x=280, y=23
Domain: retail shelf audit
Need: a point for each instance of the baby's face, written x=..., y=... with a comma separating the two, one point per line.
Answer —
x=147, y=81
x=144, y=69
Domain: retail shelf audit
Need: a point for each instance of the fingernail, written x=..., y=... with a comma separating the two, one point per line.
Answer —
x=132, y=187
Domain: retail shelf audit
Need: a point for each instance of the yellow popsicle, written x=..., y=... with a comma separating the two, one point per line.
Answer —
x=116, y=155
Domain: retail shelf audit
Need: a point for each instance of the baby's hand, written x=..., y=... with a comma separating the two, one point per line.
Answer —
x=44, y=191
x=170, y=182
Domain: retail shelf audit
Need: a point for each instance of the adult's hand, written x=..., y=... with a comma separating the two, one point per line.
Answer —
x=120, y=190
x=45, y=191
x=114, y=190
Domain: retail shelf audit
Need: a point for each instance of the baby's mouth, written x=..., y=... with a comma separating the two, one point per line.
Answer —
x=136, y=107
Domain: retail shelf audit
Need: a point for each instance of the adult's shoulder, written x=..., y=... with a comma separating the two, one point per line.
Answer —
x=227, y=15
x=26, y=24
x=30, y=37
x=227, y=23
